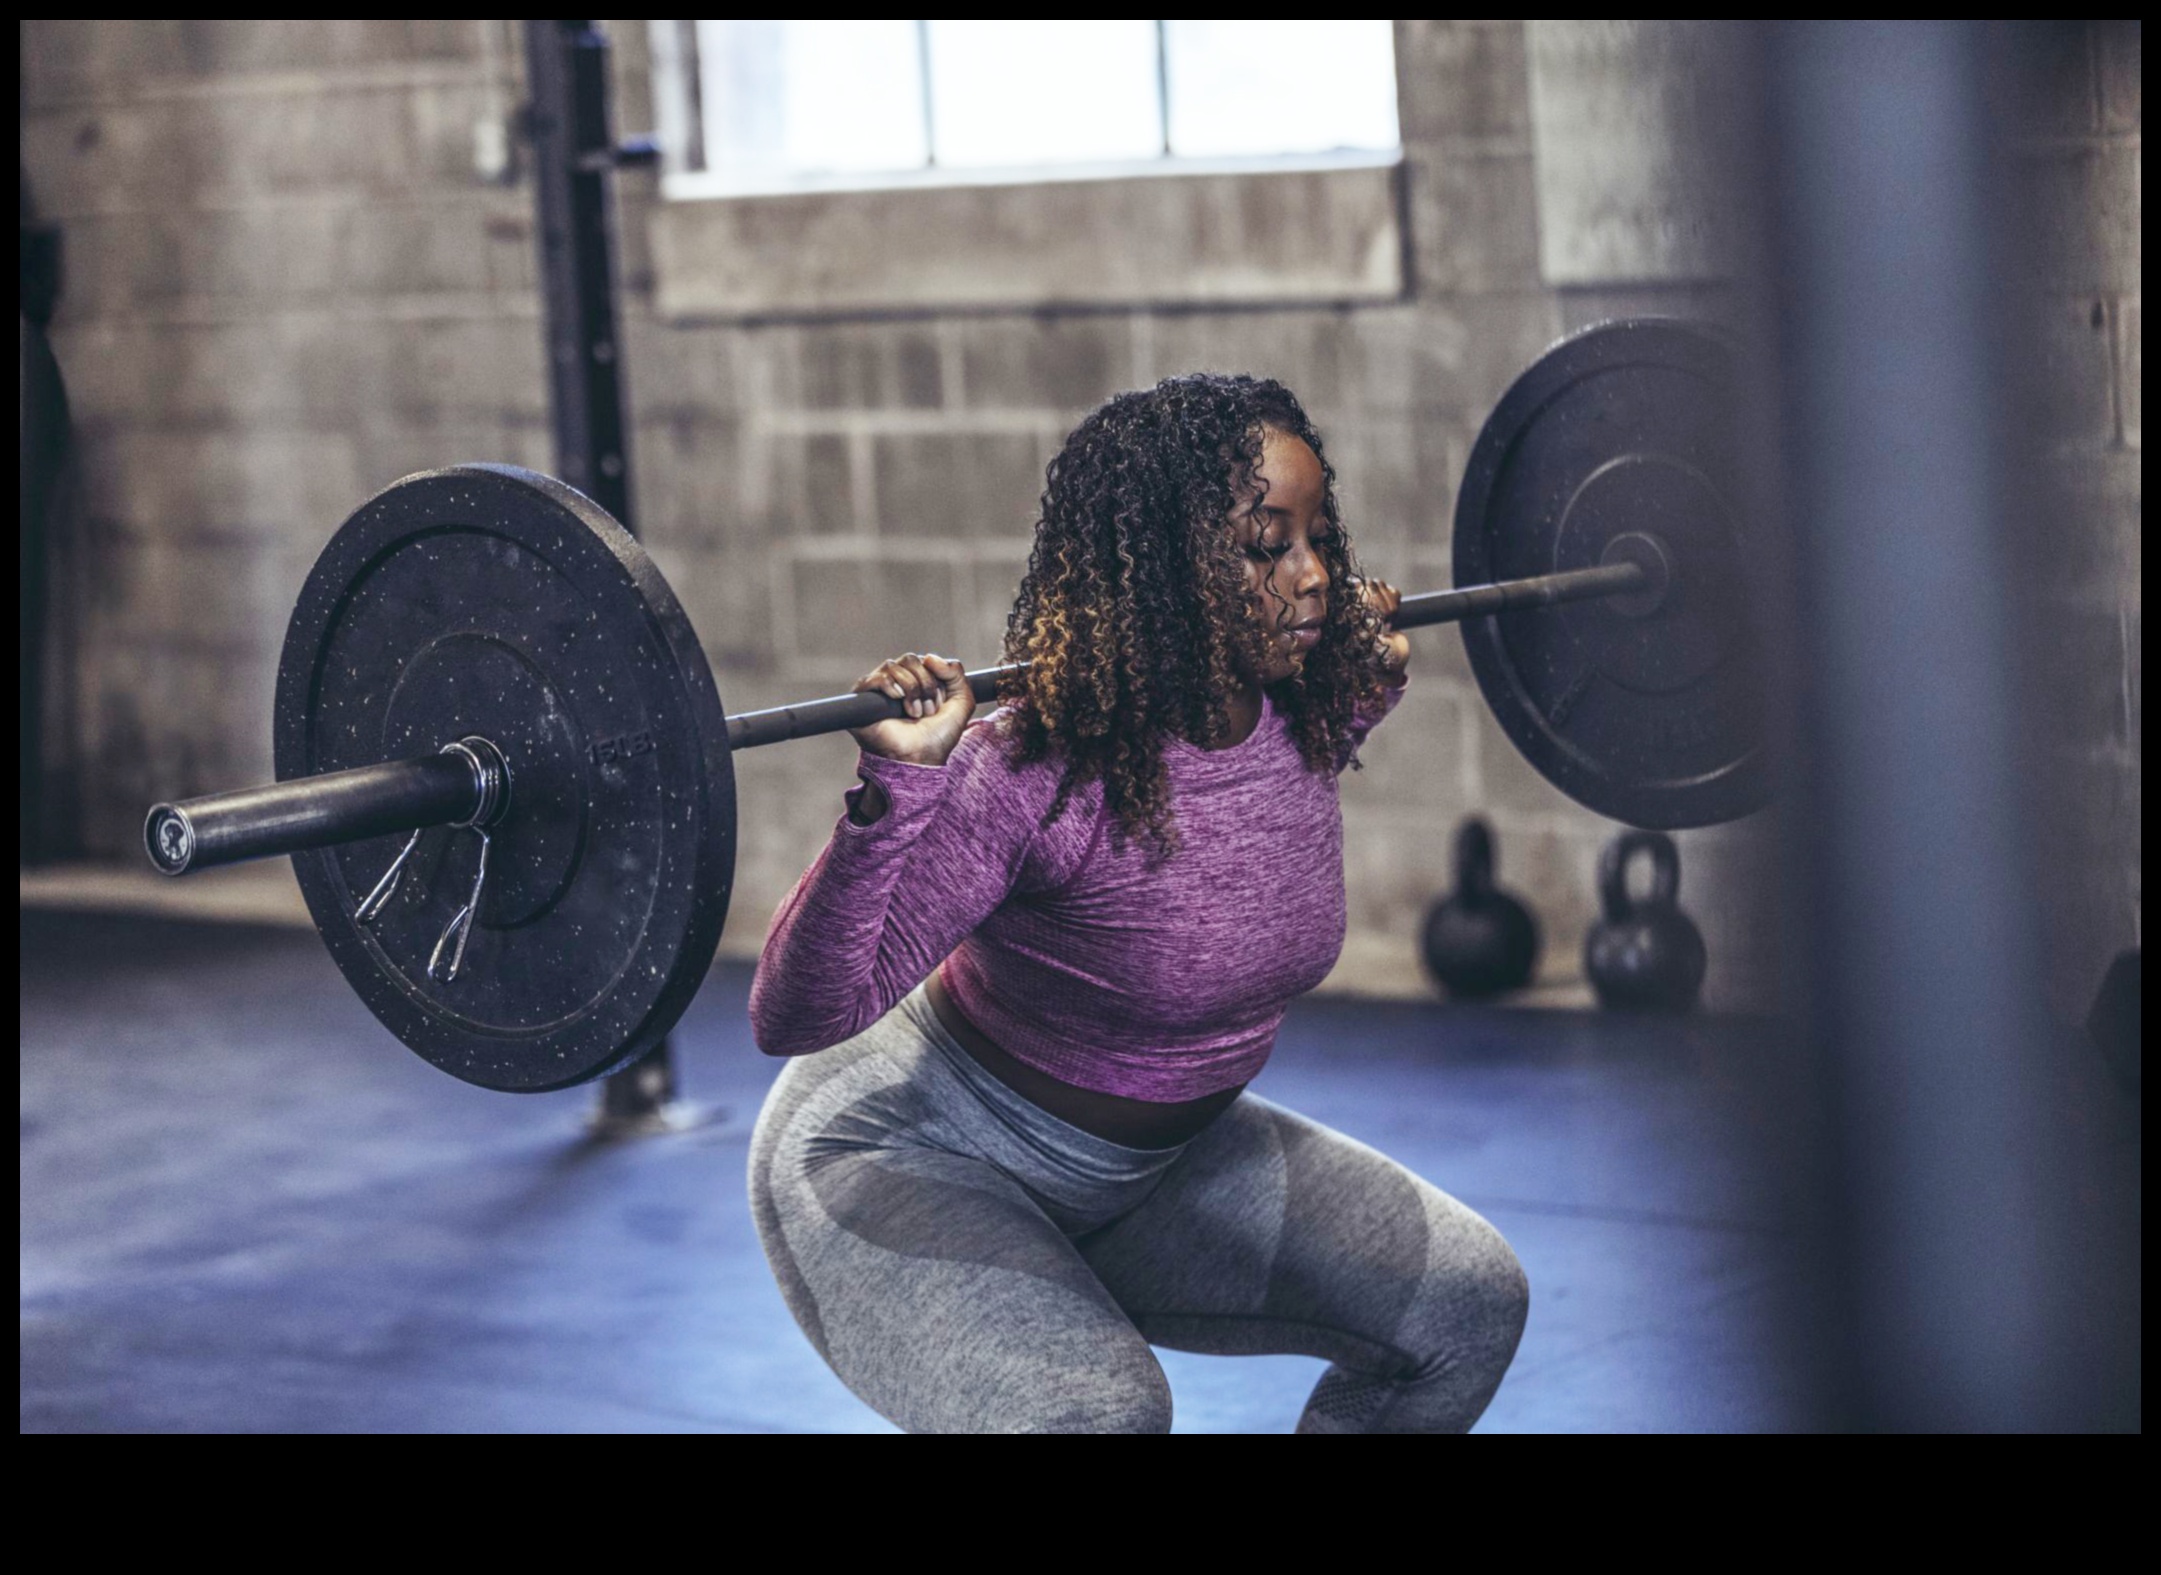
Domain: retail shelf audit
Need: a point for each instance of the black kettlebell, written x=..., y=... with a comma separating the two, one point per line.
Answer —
x=1645, y=956
x=1479, y=941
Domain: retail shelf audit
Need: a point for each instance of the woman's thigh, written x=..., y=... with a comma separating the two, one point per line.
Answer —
x=1274, y=1233
x=928, y=1280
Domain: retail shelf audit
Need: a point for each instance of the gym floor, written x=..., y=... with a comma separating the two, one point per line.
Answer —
x=245, y=1208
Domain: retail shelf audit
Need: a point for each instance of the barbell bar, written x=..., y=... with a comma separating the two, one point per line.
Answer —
x=468, y=783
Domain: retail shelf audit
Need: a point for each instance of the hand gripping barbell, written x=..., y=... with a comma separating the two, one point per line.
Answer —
x=483, y=652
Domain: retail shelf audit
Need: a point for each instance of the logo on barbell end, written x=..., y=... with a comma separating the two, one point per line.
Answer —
x=608, y=751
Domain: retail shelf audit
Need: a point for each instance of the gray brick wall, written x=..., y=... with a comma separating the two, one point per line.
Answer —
x=286, y=286
x=2073, y=123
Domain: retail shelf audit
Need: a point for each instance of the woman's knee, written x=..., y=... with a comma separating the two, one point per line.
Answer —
x=1127, y=1394
x=1484, y=1296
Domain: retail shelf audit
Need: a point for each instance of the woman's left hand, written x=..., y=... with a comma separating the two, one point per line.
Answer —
x=1394, y=648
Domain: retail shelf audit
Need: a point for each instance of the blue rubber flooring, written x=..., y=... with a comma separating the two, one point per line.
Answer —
x=245, y=1208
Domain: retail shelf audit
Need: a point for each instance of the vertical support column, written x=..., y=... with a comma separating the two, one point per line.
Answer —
x=574, y=153
x=1988, y=1267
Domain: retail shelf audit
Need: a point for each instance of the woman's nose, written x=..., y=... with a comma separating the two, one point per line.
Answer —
x=1311, y=574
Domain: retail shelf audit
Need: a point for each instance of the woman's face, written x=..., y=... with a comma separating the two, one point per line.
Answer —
x=1286, y=577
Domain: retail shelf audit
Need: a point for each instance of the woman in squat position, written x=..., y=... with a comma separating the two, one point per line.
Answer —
x=1044, y=953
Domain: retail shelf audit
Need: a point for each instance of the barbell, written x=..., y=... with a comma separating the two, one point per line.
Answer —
x=483, y=653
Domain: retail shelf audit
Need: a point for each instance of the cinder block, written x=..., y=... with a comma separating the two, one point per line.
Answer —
x=994, y=583
x=672, y=370
x=1461, y=79
x=1394, y=866
x=468, y=366
x=689, y=480
x=1474, y=219
x=113, y=263
x=870, y=366
x=65, y=57
x=390, y=450
x=729, y=603
x=513, y=265
x=846, y=614
x=196, y=596
x=414, y=248
x=90, y=159
x=277, y=370
x=829, y=484
x=260, y=255
x=1467, y=350
x=306, y=141
x=1305, y=350
x=2070, y=399
x=1506, y=782
x=956, y=483
x=2118, y=52
x=2081, y=213
x=798, y=484
x=439, y=119
x=1417, y=759
x=1377, y=358
x=161, y=722
x=1284, y=236
x=167, y=486
x=1035, y=363
x=220, y=48
x=2130, y=368
x=1396, y=486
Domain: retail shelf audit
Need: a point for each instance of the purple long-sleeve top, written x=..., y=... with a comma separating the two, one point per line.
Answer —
x=1078, y=950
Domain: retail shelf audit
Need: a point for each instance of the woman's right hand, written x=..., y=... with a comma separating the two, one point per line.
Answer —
x=939, y=704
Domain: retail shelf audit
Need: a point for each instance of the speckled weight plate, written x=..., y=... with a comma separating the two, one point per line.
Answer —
x=1653, y=717
x=489, y=600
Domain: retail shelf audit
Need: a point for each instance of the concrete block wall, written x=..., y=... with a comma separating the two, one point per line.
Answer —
x=2072, y=120
x=286, y=286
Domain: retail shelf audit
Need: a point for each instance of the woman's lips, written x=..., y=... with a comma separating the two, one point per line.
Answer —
x=1303, y=639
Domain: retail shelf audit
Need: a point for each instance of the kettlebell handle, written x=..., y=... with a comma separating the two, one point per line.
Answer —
x=1474, y=857
x=1613, y=872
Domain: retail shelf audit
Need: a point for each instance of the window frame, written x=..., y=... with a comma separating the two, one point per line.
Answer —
x=676, y=89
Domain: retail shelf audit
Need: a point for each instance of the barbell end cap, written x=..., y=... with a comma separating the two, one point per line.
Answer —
x=169, y=839
x=1652, y=557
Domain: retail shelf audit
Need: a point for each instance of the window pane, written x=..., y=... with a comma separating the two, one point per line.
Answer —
x=810, y=98
x=1280, y=87
x=1043, y=92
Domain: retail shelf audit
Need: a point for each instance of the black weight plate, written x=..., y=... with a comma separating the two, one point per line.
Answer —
x=490, y=600
x=1652, y=718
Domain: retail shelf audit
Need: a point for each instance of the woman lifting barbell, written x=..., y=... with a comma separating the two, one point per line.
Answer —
x=1045, y=951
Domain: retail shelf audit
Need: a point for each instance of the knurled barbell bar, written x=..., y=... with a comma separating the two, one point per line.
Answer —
x=439, y=790
x=482, y=649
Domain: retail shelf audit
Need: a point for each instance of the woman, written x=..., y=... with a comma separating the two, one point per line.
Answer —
x=1044, y=953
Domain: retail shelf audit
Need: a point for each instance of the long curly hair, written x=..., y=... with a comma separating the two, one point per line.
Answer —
x=1134, y=618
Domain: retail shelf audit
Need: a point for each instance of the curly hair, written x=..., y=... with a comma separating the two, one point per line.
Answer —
x=1134, y=618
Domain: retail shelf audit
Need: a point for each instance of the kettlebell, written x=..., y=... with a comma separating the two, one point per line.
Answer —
x=1643, y=956
x=1479, y=941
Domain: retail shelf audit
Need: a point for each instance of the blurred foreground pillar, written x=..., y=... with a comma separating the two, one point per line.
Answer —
x=1982, y=1231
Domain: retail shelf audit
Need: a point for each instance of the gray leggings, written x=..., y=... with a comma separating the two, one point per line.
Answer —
x=967, y=1262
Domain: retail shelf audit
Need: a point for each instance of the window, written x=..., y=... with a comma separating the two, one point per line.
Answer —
x=775, y=106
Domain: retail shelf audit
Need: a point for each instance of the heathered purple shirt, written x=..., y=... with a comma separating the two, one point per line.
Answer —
x=1161, y=981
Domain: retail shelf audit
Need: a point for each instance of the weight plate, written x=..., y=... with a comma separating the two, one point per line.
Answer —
x=489, y=600
x=1644, y=708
